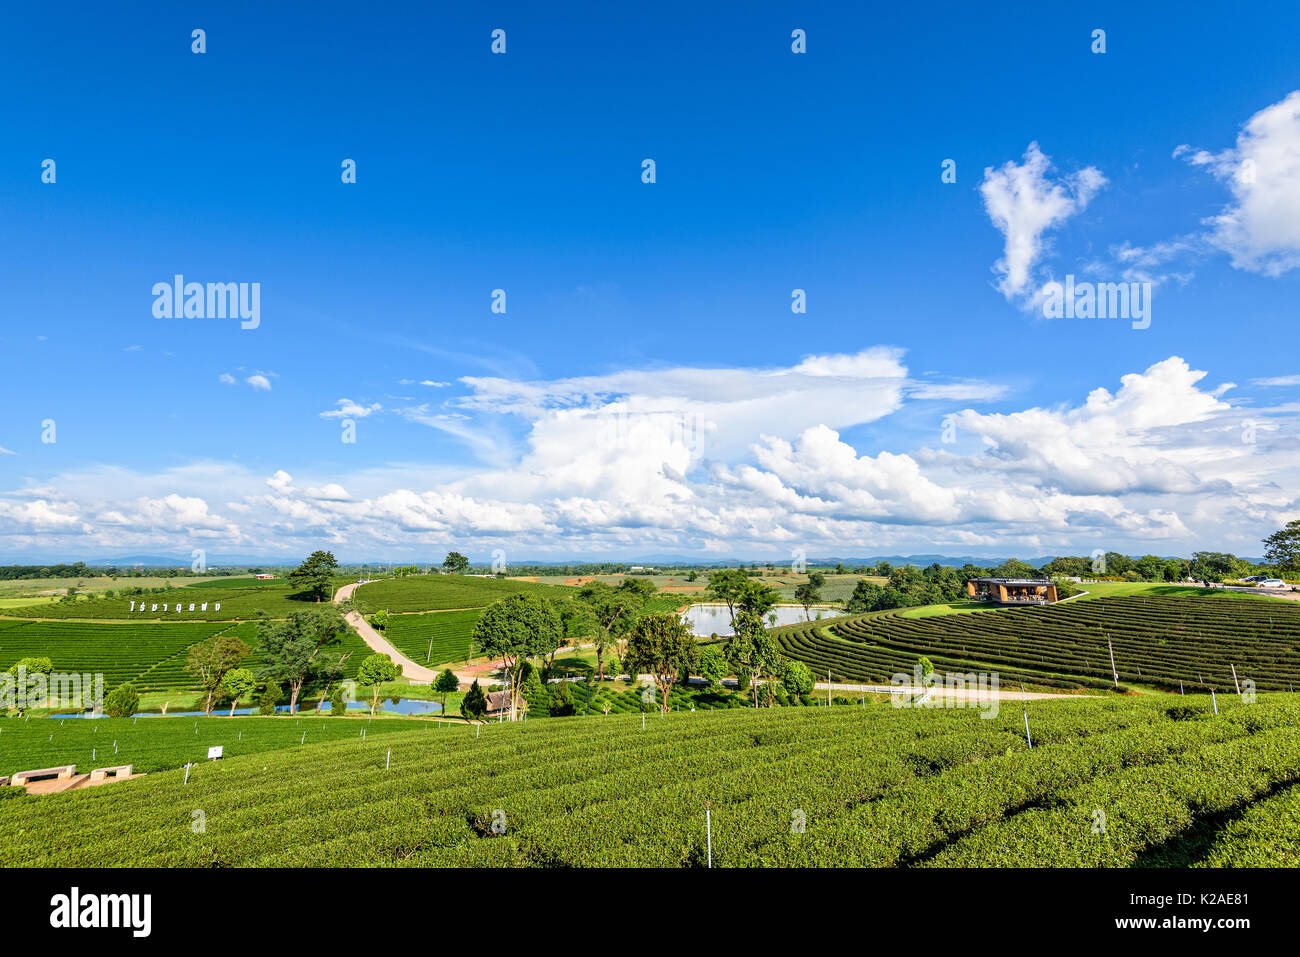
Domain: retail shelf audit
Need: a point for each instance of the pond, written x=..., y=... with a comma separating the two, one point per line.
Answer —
x=389, y=705
x=706, y=620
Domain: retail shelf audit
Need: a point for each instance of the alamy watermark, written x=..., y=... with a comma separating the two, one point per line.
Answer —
x=179, y=299
x=954, y=689
x=1101, y=300
x=21, y=690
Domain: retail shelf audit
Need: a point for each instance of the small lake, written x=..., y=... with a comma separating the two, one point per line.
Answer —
x=706, y=620
x=390, y=705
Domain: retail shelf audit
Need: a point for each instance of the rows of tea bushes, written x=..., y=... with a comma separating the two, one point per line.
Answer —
x=1158, y=641
x=152, y=655
x=791, y=786
x=433, y=638
x=240, y=599
x=443, y=592
x=158, y=743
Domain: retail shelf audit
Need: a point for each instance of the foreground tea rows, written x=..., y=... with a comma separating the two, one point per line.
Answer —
x=1115, y=782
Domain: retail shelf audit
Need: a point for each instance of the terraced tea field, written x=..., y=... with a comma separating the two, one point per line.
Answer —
x=240, y=598
x=1158, y=641
x=157, y=744
x=152, y=654
x=1109, y=782
x=441, y=592
x=450, y=632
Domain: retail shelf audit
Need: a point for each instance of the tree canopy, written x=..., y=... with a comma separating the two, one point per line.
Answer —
x=301, y=648
x=315, y=575
x=664, y=647
x=515, y=629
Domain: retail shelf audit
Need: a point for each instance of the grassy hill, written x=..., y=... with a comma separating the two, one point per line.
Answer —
x=1158, y=641
x=1108, y=782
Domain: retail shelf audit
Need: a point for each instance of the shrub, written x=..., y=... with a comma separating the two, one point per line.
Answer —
x=269, y=698
x=338, y=704
x=123, y=701
x=474, y=704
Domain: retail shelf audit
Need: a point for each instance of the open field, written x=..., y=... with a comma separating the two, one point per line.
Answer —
x=156, y=744
x=1158, y=642
x=1174, y=785
x=19, y=587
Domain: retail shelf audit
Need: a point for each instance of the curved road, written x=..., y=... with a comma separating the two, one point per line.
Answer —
x=417, y=674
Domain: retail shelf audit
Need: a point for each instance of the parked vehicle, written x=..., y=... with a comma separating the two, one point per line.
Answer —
x=1272, y=583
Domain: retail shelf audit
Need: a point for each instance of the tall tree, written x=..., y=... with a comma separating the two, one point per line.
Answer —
x=446, y=684
x=315, y=575
x=237, y=683
x=752, y=654
x=209, y=661
x=725, y=585
x=301, y=648
x=515, y=629
x=455, y=564
x=374, y=671
x=1282, y=548
x=664, y=647
x=807, y=595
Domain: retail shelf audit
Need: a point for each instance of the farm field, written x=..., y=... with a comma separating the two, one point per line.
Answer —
x=157, y=744
x=450, y=632
x=240, y=598
x=1175, y=785
x=1159, y=642
x=440, y=592
x=152, y=655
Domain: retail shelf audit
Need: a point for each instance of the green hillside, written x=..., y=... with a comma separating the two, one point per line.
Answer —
x=1108, y=782
x=1158, y=641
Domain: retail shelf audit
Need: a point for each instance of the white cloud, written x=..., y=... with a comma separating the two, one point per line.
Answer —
x=347, y=409
x=740, y=462
x=226, y=379
x=1024, y=203
x=1281, y=380
x=1260, y=228
x=259, y=381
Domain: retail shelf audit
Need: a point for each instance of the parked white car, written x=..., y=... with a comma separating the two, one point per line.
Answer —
x=1272, y=583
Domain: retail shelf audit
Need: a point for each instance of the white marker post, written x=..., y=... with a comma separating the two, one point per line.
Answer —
x=388, y=762
x=1214, y=699
x=187, y=774
x=708, y=832
x=1234, y=678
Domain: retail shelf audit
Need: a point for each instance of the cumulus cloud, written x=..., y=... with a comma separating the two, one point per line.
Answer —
x=751, y=462
x=1025, y=202
x=1260, y=228
x=259, y=381
x=226, y=379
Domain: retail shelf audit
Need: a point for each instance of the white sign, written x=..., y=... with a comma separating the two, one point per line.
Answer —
x=214, y=753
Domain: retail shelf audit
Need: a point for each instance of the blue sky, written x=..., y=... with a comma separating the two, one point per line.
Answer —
x=669, y=302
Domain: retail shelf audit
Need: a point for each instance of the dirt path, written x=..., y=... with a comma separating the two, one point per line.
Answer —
x=415, y=673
